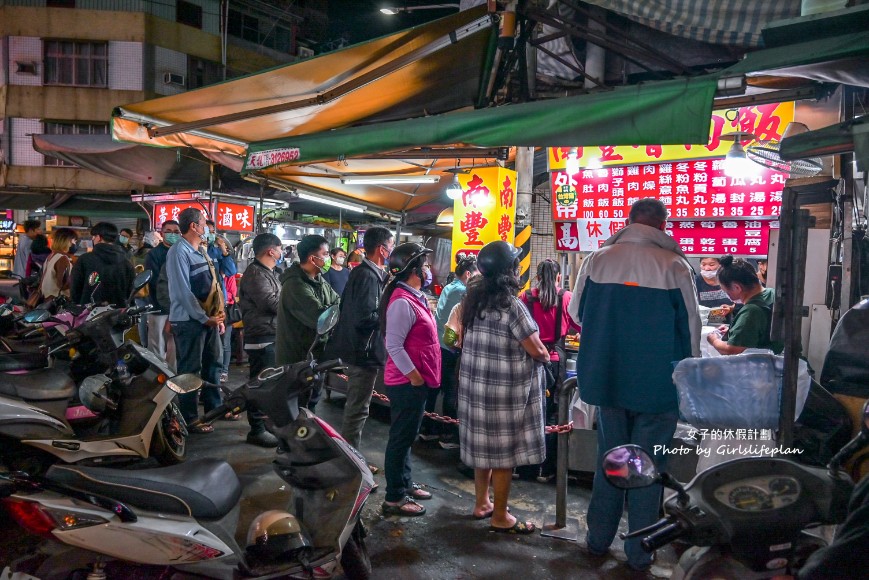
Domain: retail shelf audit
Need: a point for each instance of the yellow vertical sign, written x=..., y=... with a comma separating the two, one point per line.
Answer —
x=485, y=212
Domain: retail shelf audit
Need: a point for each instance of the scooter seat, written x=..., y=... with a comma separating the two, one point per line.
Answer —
x=38, y=385
x=28, y=346
x=204, y=488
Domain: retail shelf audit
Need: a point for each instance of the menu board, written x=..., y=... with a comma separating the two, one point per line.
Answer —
x=690, y=190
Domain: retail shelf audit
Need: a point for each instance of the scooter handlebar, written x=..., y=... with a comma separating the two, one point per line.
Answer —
x=663, y=536
x=328, y=365
x=213, y=415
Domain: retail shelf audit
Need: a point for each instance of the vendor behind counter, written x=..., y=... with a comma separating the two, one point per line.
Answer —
x=709, y=291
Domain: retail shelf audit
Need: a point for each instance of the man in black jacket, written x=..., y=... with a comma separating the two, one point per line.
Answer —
x=356, y=338
x=259, y=296
x=104, y=275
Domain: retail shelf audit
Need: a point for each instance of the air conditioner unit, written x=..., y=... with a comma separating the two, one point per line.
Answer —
x=174, y=79
x=305, y=52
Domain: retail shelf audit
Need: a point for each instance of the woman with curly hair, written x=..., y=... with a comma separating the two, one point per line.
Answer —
x=500, y=385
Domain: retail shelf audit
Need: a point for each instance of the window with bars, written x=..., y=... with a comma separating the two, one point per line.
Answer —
x=78, y=64
x=67, y=128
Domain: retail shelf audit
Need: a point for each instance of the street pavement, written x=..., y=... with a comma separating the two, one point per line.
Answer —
x=446, y=543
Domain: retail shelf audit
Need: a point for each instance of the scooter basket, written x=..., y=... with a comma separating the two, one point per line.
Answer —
x=735, y=392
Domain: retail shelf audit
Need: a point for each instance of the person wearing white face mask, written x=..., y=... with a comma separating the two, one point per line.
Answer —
x=337, y=275
x=709, y=291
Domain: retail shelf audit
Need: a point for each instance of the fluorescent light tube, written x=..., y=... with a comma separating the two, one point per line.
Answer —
x=388, y=179
x=325, y=200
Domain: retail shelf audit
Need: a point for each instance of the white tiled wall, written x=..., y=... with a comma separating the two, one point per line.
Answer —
x=21, y=146
x=125, y=66
x=166, y=60
x=25, y=49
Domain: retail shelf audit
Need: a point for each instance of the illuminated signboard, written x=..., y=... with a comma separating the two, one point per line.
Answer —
x=485, y=211
x=170, y=211
x=235, y=217
x=689, y=189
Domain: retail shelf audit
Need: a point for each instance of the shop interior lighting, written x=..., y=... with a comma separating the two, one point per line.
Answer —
x=389, y=179
x=454, y=189
x=572, y=165
x=736, y=162
x=327, y=201
x=392, y=10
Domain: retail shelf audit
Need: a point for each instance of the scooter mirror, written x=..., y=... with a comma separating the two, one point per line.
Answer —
x=36, y=316
x=629, y=467
x=141, y=279
x=186, y=383
x=328, y=319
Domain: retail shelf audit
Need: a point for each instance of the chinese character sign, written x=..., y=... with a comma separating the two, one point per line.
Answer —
x=170, y=211
x=486, y=210
x=235, y=217
x=702, y=238
x=690, y=189
x=767, y=122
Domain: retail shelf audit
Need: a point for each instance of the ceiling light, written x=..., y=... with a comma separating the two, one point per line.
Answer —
x=572, y=165
x=328, y=201
x=736, y=162
x=390, y=11
x=389, y=179
x=454, y=189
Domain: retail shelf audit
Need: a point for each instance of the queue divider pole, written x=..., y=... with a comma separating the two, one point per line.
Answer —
x=563, y=528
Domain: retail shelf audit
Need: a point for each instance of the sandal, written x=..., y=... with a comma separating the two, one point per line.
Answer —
x=373, y=469
x=231, y=417
x=406, y=507
x=521, y=528
x=200, y=428
x=417, y=492
x=488, y=514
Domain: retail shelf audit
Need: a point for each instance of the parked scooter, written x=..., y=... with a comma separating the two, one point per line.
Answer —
x=746, y=518
x=132, y=413
x=182, y=520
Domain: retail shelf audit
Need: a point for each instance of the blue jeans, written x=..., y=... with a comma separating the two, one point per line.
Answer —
x=226, y=345
x=621, y=427
x=406, y=406
x=197, y=349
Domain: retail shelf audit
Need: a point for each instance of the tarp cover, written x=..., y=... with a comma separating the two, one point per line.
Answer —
x=669, y=112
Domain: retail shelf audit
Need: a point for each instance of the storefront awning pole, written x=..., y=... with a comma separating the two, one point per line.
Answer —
x=262, y=194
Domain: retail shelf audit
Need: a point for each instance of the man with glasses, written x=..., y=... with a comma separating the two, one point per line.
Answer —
x=357, y=340
x=305, y=294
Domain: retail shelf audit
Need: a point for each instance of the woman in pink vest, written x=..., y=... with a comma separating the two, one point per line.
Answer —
x=413, y=366
x=500, y=385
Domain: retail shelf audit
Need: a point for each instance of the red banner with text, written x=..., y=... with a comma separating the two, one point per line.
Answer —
x=170, y=211
x=235, y=217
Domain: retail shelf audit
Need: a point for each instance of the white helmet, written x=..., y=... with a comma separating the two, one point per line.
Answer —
x=276, y=534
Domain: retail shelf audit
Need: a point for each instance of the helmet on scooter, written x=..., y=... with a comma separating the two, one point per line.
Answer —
x=93, y=392
x=276, y=535
x=497, y=257
x=405, y=256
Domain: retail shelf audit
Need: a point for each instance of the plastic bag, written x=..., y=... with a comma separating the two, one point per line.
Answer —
x=735, y=392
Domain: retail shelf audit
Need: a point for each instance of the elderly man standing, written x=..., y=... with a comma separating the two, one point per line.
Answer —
x=305, y=294
x=193, y=287
x=259, y=298
x=636, y=301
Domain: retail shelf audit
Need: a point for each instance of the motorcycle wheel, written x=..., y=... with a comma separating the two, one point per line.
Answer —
x=168, y=444
x=354, y=557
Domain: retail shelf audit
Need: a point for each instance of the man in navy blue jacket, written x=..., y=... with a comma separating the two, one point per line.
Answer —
x=636, y=301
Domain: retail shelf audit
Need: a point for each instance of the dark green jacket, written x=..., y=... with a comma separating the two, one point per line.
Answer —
x=303, y=299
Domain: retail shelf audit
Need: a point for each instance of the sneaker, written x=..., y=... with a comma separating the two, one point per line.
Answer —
x=262, y=439
x=449, y=444
x=223, y=378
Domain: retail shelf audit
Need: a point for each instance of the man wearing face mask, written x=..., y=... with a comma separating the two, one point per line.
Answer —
x=337, y=275
x=304, y=296
x=159, y=333
x=124, y=237
x=104, y=275
x=193, y=287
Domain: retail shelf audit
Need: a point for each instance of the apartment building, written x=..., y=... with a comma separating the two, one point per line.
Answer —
x=65, y=64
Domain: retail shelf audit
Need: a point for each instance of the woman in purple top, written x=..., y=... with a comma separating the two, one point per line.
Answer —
x=413, y=366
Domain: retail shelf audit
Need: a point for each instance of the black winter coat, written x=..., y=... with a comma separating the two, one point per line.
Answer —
x=103, y=275
x=357, y=339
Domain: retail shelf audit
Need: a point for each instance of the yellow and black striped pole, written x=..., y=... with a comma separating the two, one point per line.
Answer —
x=523, y=242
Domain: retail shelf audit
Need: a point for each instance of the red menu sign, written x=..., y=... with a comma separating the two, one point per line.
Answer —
x=235, y=217
x=689, y=189
x=716, y=238
x=170, y=211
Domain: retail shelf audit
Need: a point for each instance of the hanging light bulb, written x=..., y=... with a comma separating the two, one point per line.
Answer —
x=572, y=164
x=454, y=189
x=736, y=162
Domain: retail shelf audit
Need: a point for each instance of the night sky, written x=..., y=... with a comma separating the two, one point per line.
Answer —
x=358, y=20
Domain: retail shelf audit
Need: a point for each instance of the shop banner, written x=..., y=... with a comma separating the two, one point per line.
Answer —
x=235, y=217
x=170, y=211
x=689, y=189
x=696, y=238
x=486, y=210
x=766, y=122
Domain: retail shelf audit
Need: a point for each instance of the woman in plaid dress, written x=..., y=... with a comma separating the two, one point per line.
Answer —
x=500, y=385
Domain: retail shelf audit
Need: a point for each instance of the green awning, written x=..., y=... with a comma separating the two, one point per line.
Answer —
x=668, y=112
x=101, y=206
x=831, y=55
